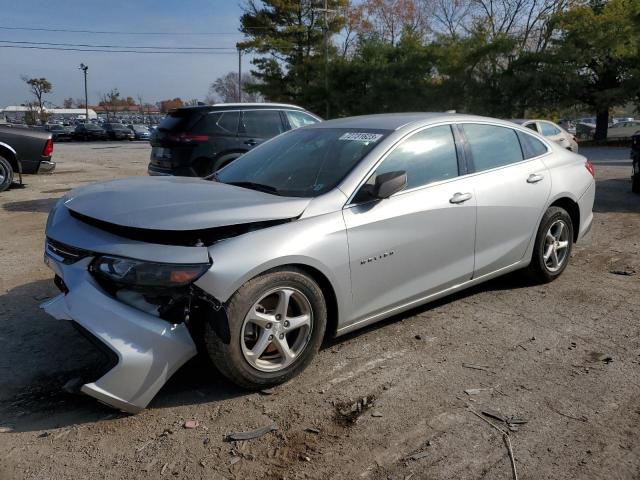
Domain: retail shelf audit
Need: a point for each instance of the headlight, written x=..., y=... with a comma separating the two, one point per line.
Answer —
x=147, y=274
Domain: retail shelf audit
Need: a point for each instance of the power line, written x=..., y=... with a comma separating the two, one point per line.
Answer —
x=167, y=52
x=155, y=47
x=106, y=32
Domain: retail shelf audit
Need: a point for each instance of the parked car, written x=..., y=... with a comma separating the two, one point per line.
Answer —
x=197, y=141
x=60, y=133
x=23, y=150
x=89, y=131
x=140, y=132
x=585, y=131
x=635, y=158
x=552, y=131
x=623, y=130
x=324, y=229
x=118, y=131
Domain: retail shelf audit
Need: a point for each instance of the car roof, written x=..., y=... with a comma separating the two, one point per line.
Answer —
x=398, y=121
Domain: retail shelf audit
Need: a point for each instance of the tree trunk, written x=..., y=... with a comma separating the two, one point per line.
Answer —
x=602, y=124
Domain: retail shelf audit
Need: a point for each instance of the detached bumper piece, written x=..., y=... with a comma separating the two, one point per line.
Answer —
x=148, y=349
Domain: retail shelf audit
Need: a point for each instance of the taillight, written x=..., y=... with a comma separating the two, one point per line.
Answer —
x=589, y=166
x=48, y=148
x=189, y=137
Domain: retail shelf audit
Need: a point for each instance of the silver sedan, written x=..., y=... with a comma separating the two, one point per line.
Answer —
x=317, y=232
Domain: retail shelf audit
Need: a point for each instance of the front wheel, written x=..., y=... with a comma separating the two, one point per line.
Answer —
x=552, y=248
x=276, y=324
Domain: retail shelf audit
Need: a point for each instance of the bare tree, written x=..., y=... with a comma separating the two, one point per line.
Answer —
x=110, y=101
x=225, y=89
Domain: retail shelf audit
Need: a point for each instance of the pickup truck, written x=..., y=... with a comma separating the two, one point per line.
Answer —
x=23, y=150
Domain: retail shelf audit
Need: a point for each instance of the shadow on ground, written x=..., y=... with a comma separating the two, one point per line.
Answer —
x=614, y=195
x=42, y=205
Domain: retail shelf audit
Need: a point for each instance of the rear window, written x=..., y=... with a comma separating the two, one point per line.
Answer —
x=179, y=120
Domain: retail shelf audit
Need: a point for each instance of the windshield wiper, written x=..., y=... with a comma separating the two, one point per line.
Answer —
x=255, y=186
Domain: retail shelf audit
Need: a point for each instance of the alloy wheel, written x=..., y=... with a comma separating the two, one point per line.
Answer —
x=277, y=329
x=556, y=246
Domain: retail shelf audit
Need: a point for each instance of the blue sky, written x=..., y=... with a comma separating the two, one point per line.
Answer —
x=155, y=76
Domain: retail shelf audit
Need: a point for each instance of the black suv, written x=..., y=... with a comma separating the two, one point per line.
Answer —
x=635, y=158
x=197, y=141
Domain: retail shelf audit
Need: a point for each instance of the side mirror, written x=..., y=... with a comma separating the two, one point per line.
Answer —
x=389, y=183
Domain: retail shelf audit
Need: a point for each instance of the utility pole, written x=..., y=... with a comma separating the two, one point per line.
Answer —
x=325, y=29
x=84, y=68
x=239, y=72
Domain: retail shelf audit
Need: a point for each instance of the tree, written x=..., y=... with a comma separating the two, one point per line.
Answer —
x=596, y=57
x=110, y=101
x=225, y=89
x=39, y=87
x=287, y=37
x=68, y=103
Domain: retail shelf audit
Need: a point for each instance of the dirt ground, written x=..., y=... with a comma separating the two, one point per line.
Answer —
x=565, y=357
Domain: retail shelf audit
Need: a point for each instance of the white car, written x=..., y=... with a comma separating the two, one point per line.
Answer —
x=553, y=132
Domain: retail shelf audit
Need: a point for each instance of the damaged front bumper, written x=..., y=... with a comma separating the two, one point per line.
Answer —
x=148, y=349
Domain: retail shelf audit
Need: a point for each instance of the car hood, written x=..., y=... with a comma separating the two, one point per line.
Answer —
x=179, y=203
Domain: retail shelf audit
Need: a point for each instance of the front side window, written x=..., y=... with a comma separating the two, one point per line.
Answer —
x=261, y=123
x=299, y=119
x=492, y=146
x=549, y=130
x=302, y=163
x=427, y=156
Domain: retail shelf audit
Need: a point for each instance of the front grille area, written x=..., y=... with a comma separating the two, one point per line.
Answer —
x=65, y=253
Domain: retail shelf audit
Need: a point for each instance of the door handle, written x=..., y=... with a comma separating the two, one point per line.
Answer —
x=534, y=178
x=460, y=197
x=251, y=142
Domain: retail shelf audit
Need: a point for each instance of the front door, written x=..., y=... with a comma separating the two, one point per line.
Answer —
x=420, y=240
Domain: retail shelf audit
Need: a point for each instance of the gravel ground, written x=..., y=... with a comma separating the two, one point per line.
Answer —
x=564, y=356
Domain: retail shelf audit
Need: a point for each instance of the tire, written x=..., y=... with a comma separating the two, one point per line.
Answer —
x=6, y=174
x=270, y=368
x=635, y=184
x=543, y=270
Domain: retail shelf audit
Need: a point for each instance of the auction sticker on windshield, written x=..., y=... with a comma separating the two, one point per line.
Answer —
x=361, y=137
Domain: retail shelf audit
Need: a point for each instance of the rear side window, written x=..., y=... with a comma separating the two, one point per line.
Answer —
x=299, y=119
x=217, y=122
x=492, y=146
x=531, y=146
x=427, y=156
x=229, y=121
x=261, y=123
x=548, y=129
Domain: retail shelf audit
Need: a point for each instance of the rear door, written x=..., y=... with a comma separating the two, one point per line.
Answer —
x=420, y=240
x=256, y=126
x=512, y=185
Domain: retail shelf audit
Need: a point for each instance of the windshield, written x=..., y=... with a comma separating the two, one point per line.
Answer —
x=302, y=163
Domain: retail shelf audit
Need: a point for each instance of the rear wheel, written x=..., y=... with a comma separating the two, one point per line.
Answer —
x=552, y=248
x=635, y=184
x=276, y=325
x=6, y=174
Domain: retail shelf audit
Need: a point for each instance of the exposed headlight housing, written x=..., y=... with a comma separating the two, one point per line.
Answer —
x=137, y=273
